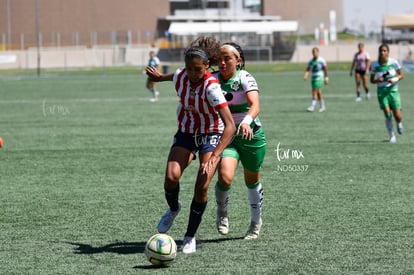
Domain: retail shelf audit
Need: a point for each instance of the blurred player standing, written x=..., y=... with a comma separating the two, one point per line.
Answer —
x=361, y=63
x=154, y=62
x=318, y=69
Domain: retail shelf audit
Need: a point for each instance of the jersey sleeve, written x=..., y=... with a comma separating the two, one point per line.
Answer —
x=373, y=67
x=324, y=64
x=249, y=82
x=215, y=96
x=176, y=74
x=396, y=65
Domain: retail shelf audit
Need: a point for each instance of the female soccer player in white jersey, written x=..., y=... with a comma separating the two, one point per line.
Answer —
x=386, y=73
x=361, y=62
x=248, y=146
x=319, y=75
x=205, y=125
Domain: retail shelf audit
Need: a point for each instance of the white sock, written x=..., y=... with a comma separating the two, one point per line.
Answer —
x=255, y=196
x=322, y=103
x=389, y=126
x=222, y=199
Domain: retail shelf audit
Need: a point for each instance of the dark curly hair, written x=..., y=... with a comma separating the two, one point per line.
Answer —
x=209, y=45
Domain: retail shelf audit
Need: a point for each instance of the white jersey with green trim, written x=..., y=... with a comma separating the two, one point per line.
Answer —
x=154, y=62
x=317, y=67
x=235, y=90
x=386, y=71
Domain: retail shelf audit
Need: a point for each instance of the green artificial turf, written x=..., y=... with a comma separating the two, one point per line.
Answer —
x=83, y=162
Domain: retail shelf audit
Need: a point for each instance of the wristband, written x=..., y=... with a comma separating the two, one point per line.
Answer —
x=395, y=79
x=248, y=119
x=326, y=78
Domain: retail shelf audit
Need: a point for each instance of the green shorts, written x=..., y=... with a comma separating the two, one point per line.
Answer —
x=251, y=153
x=390, y=99
x=317, y=84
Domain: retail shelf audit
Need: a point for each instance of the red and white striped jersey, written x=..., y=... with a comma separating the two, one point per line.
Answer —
x=197, y=111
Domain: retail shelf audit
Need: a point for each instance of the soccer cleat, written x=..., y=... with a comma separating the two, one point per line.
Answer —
x=222, y=225
x=154, y=99
x=311, y=108
x=189, y=245
x=400, y=128
x=253, y=231
x=358, y=99
x=393, y=139
x=167, y=220
x=322, y=109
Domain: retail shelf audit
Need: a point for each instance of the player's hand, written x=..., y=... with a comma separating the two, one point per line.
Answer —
x=393, y=79
x=350, y=73
x=152, y=73
x=245, y=131
x=211, y=164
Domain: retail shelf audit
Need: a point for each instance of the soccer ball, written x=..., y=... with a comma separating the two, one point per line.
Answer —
x=161, y=249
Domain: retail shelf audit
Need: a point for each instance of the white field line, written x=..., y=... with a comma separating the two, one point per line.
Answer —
x=74, y=100
x=140, y=99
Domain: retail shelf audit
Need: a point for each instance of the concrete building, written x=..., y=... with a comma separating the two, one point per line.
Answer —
x=98, y=22
x=99, y=33
x=79, y=22
x=310, y=13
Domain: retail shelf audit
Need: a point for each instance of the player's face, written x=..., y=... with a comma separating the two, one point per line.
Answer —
x=315, y=53
x=196, y=69
x=228, y=63
x=383, y=53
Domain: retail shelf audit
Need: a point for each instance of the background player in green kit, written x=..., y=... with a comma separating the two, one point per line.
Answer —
x=319, y=75
x=249, y=144
x=154, y=62
x=386, y=73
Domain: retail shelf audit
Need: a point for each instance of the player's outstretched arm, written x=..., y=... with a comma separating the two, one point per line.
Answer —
x=155, y=75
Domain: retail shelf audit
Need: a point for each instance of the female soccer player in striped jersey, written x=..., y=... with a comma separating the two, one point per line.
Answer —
x=205, y=125
x=386, y=73
x=248, y=146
